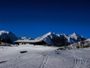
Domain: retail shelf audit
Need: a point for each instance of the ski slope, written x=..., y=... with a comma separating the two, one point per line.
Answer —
x=43, y=57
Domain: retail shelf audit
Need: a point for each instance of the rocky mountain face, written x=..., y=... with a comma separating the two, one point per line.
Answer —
x=61, y=39
x=49, y=38
x=55, y=39
x=7, y=37
x=76, y=38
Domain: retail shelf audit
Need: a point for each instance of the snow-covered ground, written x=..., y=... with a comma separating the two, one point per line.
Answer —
x=43, y=57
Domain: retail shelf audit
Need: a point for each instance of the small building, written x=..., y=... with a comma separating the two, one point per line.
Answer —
x=27, y=41
x=4, y=44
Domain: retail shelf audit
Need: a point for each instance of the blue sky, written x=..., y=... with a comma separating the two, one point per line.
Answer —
x=34, y=18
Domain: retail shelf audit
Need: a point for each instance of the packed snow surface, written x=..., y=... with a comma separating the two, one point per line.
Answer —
x=43, y=57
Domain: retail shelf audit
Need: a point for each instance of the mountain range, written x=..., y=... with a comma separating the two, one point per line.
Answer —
x=50, y=38
x=61, y=39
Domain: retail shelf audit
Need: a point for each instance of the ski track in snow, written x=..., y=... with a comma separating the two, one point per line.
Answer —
x=43, y=57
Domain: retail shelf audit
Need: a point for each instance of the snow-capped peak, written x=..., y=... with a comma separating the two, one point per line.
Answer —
x=3, y=31
x=6, y=36
x=74, y=35
x=45, y=35
x=48, y=34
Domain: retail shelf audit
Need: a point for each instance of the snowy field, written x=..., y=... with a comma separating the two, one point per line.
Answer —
x=43, y=57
